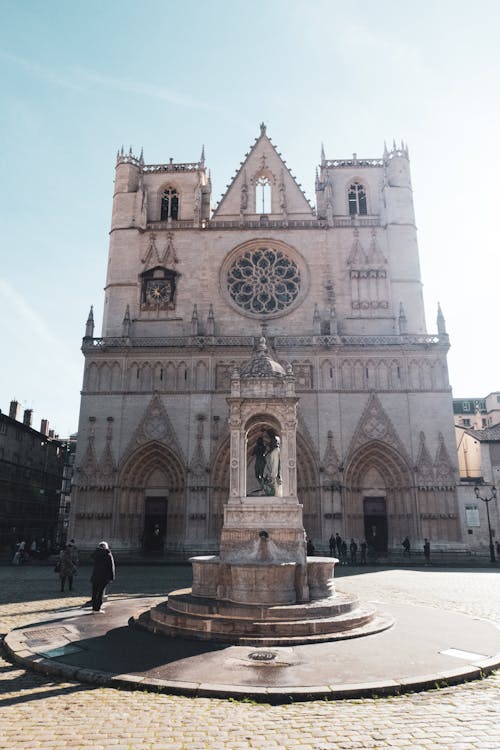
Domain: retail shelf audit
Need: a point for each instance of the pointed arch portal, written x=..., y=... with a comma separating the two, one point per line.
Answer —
x=151, y=486
x=379, y=496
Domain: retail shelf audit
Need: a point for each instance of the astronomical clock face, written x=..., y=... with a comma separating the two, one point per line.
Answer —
x=158, y=292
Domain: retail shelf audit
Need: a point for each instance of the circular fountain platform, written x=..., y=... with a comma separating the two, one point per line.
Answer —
x=336, y=617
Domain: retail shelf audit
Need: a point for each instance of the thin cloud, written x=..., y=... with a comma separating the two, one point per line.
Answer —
x=140, y=88
x=41, y=71
x=84, y=80
x=23, y=315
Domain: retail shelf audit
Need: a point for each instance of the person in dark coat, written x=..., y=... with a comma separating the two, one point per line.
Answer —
x=353, y=548
x=67, y=568
x=364, y=548
x=427, y=551
x=331, y=544
x=102, y=573
x=338, y=542
x=343, y=552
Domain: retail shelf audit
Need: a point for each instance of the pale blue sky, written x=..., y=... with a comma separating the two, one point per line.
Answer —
x=79, y=79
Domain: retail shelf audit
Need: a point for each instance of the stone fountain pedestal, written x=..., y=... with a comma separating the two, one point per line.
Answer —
x=262, y=589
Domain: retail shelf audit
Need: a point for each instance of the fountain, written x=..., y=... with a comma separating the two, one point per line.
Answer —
x=262, y=588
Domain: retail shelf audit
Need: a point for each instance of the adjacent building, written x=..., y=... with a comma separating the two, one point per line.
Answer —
x=31, y=473
x=477, y=412
x=336, y=292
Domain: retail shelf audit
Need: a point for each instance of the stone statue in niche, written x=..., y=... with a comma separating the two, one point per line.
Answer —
x=272, y=471
x=244, y=197
x=268, y=464
x=260, y=460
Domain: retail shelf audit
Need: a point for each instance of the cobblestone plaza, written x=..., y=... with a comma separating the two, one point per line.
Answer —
x=41, y=712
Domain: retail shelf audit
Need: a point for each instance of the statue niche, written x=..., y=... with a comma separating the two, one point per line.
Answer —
x=267, y=469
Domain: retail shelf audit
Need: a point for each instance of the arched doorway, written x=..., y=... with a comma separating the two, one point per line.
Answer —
x=151, y=505
x=379, y=497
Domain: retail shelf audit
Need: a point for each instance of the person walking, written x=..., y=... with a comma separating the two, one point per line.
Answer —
x=338, y=542
x=364, y=547
x=74, y=551
x=353, y=548
x=343, y=552
x=67, y=567
x=102, y=573
x=406, y=547
x=427, y=551
x=331, y=544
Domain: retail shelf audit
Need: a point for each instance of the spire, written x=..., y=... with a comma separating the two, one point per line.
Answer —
x=402, y=319
x=262, y=128
x=210, y=322
x=89, y=328
x=441, y=323
x=202, y=157
x=126, y=323
x=334, y=326
x=323, y=159
x=141, y=157
x=316, y=321
x=194, y=321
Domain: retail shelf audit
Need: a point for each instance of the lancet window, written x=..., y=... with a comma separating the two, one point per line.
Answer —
x=169, y=204
x=357, y=200
x=263, y=195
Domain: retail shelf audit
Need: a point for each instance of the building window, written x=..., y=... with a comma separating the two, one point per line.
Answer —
x=263, y=195
x=466, y=422
x=357, y=200
x=465, y=406
x=169, y=204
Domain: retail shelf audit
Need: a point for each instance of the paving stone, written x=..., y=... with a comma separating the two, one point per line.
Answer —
x=43, y=712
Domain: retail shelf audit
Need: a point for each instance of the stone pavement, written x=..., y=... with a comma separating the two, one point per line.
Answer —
x=40, y=712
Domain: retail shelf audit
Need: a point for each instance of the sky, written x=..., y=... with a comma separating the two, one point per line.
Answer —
x=80, y=79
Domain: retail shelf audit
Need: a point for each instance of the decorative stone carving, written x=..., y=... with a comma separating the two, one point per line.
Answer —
x=424, y=468
x=443, y=465
x=155, y=426
x=374, y=424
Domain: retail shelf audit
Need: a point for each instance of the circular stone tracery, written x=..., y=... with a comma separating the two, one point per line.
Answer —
x=263, y=281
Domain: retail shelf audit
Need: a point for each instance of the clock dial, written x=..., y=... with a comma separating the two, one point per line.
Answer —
x=158, y=292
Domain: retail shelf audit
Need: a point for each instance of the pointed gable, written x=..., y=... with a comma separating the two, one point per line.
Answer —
x=375, y=424
x=263, y=185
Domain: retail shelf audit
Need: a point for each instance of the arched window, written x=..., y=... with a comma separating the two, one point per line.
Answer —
x=357, y=200
x=263, y=195
x=169, y=204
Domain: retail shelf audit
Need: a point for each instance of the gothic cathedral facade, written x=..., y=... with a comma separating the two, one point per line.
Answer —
x=335, y=290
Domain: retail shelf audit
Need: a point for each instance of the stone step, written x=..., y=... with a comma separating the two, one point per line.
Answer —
x=182, y=601
x=367, y=622
x=187, y=623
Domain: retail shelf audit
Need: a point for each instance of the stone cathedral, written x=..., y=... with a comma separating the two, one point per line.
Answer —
x=332, y=294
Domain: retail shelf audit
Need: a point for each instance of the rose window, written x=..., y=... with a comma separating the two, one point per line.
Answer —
x=263, y=281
